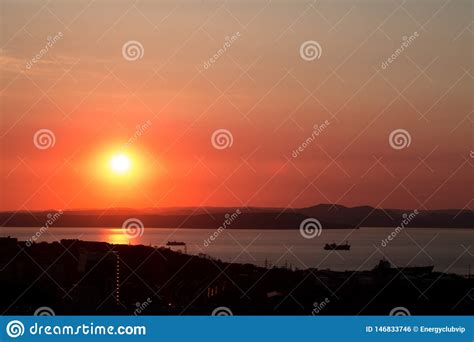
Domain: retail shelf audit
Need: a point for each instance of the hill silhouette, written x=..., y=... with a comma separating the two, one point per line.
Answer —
x=331, y=217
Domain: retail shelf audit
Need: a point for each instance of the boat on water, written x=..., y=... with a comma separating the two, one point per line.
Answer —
x=336, y=247
x=175, y=243
x=384, y=266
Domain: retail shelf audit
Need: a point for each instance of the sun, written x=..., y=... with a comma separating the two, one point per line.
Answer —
x=120, y=164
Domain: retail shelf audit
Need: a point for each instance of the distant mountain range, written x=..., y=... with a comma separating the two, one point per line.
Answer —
x=330, y=217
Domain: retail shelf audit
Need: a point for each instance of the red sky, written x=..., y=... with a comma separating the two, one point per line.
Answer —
x=260, y=89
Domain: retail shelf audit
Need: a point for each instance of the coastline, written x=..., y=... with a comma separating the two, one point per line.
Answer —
x=177, y=283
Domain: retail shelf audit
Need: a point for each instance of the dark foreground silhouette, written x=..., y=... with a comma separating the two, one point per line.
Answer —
x=75, y=277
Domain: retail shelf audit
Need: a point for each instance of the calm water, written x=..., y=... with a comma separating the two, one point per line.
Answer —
x=445, y=246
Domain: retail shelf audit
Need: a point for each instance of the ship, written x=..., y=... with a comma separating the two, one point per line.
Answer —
x=175, y=243
x=385, y=267
x=336, y=247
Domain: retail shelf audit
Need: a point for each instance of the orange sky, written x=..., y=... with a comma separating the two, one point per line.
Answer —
x=260, y=89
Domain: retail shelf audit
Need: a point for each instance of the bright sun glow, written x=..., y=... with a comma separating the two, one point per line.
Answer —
x=120, y=164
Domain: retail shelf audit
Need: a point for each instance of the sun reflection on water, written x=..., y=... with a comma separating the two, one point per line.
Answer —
x=117, y=236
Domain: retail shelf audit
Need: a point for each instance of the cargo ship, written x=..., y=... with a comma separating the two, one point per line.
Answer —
x=336, y=247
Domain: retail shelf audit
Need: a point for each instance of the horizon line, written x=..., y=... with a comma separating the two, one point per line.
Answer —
x=228, y=207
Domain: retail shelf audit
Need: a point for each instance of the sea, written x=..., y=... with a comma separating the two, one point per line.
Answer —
x=448, y=250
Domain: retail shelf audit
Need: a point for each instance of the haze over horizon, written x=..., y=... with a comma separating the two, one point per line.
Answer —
x=159, y=209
